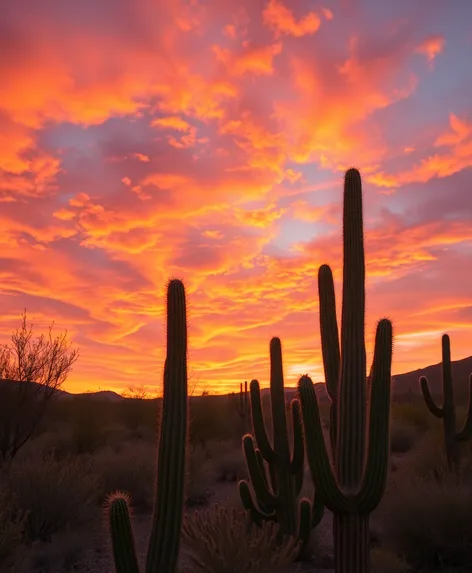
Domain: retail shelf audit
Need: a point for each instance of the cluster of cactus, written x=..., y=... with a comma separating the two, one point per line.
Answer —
x=352, y=486
x=164, y=541
x=277, y=491
x=350, y=482
x=452, y=437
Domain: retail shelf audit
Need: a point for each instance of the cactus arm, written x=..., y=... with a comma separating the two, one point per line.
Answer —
x=277, y=400
x=430, y=403
x=256, y=515
x=318, y=459
x=164, y=540
x=304, y=524
x=329, y=345
x=122, y=539
x=376, y=470
x=258, y=423
x=258, y=478
x=298, y=458
x=466, y=432
x=262, y=467
x=260, y=461
x=329, y=330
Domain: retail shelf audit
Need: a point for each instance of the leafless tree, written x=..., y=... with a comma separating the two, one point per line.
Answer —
x=139, y=393
x=31, y=372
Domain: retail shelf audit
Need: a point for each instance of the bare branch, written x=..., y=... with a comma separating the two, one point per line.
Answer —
x=31, y=372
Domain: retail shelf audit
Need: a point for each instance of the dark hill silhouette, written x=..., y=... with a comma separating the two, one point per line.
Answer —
x=406, y=384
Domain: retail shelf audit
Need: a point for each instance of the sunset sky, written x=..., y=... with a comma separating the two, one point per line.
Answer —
x=207, y=140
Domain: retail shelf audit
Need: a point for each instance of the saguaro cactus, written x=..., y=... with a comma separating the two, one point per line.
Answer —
x=277, y=495
x=164, y=540
x=242, y=405
x=354, y=487
x=447, y=412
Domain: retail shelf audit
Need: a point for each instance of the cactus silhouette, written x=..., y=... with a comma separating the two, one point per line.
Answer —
x=164, y=540
x=242, y=405
x=447, y=412
x=353, y=486
x=329, y=344
x=277, y=495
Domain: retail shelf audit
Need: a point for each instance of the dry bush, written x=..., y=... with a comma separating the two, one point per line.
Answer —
x=425, y=458
x=12, y=522
x=427, y=521
x=135, y=413
x=212, y=417
x=67, y=552
x=200, y=476
x=403, y=436
x=384, y=561
x=414, y=413
x=55, y=494
x=225, y=541
x=229, y=461
x=130, y=468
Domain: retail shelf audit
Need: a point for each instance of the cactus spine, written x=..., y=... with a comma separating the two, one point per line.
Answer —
x=354, y=487
x=164, y=540
x=277, y=495
x=447, y=412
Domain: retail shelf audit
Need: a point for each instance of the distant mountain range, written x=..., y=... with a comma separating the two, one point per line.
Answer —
x=403, y=384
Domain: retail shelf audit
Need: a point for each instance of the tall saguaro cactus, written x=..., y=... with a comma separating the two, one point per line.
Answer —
x=164, y=541
x=353, y=488
x=277, y=495
x=447, y=412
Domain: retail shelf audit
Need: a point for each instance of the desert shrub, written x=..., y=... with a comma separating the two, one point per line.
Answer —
x=384, y=561
x=55, y=494
x=212, y=417
x=425, y=458
x=200, y=476
x=427, y=521
x=134, y=413
x=65, y=553
x=225, y=541
x=403, y=436
x=415, y=414
x=130, y=468
x=229, y=461
x=12, y=522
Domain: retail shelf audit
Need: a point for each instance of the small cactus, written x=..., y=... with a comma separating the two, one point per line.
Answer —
x=242, y=405
x=164, y=541
x=353, y=485
x=277, y=494
x=447, y=412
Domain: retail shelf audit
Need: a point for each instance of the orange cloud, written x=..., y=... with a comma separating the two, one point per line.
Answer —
x=281, y=19
x=257, y=60
x=431, y=47
x=455, y=155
